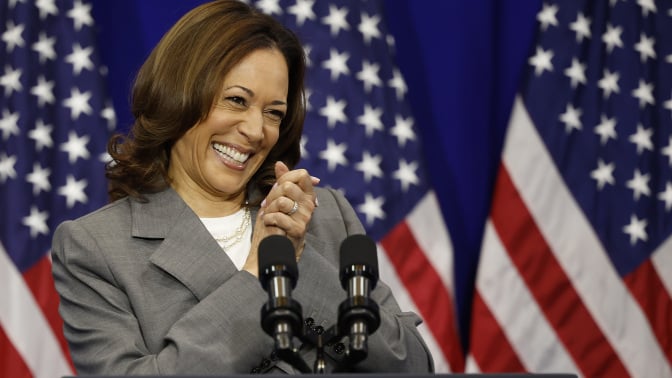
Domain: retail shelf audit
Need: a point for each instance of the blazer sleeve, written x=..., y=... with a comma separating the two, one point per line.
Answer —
x=217, y=335
x=396, y=346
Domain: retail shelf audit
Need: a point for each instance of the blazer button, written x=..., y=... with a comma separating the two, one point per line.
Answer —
x=339, y=348
x=318, y=330
x=309, y=322
x=265, y=363
x=255, y=370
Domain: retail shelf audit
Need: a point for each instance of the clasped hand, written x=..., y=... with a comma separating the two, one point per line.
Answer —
x=286, y=210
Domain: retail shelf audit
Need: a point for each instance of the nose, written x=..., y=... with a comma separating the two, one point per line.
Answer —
x=252, y=125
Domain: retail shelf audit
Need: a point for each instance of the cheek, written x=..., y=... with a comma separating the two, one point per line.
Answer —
x=179, y=150
x=189, y=149
x=272, y=135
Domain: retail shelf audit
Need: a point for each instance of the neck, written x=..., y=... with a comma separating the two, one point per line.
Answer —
x=206, y=205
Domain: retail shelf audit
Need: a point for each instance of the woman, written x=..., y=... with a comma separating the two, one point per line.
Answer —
x=164, y=279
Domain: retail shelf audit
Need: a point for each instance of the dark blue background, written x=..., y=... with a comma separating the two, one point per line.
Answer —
x=462, y=61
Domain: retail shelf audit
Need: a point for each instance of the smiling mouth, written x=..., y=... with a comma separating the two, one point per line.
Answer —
x=230, y=153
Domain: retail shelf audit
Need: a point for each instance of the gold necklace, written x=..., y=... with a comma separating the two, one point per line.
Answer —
x=228, y=241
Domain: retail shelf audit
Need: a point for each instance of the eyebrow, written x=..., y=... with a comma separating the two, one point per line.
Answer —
x=251, y=94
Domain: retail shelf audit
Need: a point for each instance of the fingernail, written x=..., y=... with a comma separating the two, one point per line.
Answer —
x=315, y=180
x=274, y=186
x=317, y=202
x=263, y=203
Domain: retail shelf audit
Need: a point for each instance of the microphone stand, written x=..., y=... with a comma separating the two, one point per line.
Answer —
x=280, y=321
x=358, y=315
x=320, y=338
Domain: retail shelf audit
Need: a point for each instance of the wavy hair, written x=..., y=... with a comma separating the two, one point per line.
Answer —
x=177, y=85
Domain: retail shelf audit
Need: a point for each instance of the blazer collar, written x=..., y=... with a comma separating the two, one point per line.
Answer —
x=188, y=251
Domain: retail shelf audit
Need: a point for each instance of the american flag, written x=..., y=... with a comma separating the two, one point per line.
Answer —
x=54, y=125
x=360, y=137
x=575, y=272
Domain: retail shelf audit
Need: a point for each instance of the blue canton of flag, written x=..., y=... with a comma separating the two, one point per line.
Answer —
x=608, y=121
x=54, y=125
x=359, y=137
x=359, y=134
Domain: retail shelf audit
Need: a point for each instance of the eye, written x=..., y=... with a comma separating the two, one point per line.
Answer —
x=237, y=100
x=275, y=115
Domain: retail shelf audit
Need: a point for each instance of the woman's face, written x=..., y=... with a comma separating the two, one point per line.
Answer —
x=217, y=157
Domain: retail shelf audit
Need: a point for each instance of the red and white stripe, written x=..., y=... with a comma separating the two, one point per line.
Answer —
x=416, y=261
x=31, y=335
x=548, y=298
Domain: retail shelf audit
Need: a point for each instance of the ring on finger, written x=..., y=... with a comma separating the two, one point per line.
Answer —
x=294, y=209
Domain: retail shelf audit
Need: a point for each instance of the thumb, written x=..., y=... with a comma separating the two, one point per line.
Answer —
x=280, y=169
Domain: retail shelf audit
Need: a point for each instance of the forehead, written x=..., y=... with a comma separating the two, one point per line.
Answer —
x=263, y=63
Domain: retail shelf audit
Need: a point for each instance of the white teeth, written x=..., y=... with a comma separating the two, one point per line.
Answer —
x=231, y=153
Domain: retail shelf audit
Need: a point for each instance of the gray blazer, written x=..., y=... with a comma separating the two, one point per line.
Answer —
x=145, y=289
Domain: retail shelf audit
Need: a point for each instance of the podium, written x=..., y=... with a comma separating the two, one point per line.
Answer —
x=365, y=375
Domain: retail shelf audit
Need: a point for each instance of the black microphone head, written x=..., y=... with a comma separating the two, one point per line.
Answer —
x=359, y=250
x=277, y=250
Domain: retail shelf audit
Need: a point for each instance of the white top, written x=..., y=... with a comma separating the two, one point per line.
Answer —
x=226, y=227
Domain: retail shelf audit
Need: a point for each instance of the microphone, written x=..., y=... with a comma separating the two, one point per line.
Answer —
x=358, y=315
x=281, y=315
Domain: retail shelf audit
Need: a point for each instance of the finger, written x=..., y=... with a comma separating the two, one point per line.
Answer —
x=283, y=205
x=265, y=226
x=298, y=176
x=298, y=210
x=293, y=193
x=292, y=226
x=274, y=230
x=280, y=169
x=286, y=189
x=283, y=186
x=294, y=209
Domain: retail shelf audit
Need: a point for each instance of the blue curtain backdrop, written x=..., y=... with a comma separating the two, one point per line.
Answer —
x=462, y=61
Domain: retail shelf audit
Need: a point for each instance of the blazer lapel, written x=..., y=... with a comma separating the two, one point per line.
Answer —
x=188, y=251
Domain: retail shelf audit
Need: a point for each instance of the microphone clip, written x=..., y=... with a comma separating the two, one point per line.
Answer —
x=282, y=321
x=358, y=317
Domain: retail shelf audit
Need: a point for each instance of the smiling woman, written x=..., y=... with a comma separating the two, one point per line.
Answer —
x=182, y=81
x=164, y=279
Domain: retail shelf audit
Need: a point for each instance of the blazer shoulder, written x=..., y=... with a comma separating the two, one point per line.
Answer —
x=334, y=218
x=106, y=216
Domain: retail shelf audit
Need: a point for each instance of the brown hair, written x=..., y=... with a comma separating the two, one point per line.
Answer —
x=179, y=82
